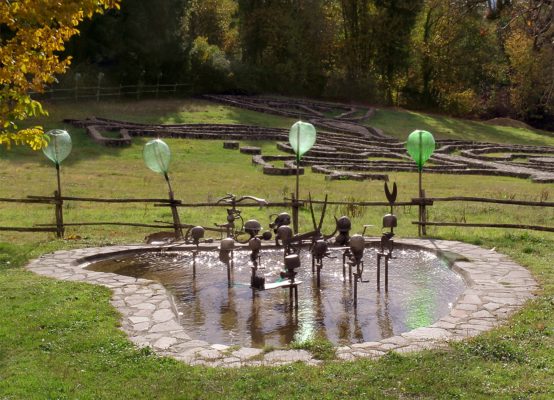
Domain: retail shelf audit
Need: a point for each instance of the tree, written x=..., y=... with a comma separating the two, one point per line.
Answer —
x=33, y=33
x=456, y=59
x=287, y=46
x=393, y=23
x=529, y=44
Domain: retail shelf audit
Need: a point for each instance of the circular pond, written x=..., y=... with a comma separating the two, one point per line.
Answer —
x=422, y=288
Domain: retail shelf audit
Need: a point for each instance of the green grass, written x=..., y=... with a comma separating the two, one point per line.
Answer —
x=400, y=124
x=62, y=339
x=172, y=111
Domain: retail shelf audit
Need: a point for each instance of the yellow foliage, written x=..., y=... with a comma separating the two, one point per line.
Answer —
x=29, y=57
x=531, y=82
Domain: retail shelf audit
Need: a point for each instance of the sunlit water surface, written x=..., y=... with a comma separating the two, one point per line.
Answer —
x=422, y=288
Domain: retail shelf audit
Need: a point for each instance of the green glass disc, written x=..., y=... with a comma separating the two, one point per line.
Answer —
x=157, y=155
x=59, y=145
x=420, y=146
x=302, y=137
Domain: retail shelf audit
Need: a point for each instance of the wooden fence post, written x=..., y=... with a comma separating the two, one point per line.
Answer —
x=175, y=213
x=59, y=215
x=423, y=214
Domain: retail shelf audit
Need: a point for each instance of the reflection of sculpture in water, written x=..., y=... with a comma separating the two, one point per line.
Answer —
x=263, y=331
x=255, y=323
x=198, y=314
x=343, y=325
x=318, y=325
x=349, y=328
x=383, y=317
x=228, y=313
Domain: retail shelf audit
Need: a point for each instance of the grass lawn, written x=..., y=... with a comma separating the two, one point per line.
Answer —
x=400, y=123
x=60, y=340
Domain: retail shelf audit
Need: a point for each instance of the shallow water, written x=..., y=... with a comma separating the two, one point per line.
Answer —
x=422, y=288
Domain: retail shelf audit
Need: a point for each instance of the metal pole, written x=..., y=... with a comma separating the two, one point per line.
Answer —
x=59, y=205
x=420, y=167
x=378, y=272
x=420, y=207
x=297, y=175
x=295, y=207
x=387, y=273
x=355, y=291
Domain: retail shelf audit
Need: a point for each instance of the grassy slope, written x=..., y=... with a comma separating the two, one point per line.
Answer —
x=60, y=340
x=400, y=123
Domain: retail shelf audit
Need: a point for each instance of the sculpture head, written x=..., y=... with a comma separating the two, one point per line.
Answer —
x=197, y=233
x=390, y=221
x=357, y=246
x=320, y=249
x=280, y=220
x=284, y=233
x=252, y=227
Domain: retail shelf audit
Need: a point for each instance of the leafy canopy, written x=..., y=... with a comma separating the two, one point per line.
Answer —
x=33, y=34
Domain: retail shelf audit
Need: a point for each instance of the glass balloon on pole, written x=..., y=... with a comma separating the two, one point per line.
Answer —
x=420, y=146
x=157, y=156
x=59, y=147
x=302, y=137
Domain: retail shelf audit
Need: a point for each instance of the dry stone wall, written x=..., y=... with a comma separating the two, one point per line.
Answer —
x=345, y=148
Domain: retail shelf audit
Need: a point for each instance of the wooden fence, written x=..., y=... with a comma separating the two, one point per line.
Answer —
x=290, y=203
x=99, y=92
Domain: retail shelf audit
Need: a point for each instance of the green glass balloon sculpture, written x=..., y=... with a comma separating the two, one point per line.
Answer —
x=302, y=138
x=157, y=155
x=59, y=145
x=420, y=145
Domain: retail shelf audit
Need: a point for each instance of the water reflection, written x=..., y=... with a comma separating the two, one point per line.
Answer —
x=421, y=289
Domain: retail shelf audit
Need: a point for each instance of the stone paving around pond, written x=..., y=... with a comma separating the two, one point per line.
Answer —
x=497, y=287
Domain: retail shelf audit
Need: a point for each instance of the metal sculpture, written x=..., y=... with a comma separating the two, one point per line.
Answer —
x=387, y=243
x=355, y=255
x=343, y=227
x=282, y=219
x=292, y=263
x=256, y=281
x=226, y=247
x=197, y=233
x=233, y=229
x=320, y=250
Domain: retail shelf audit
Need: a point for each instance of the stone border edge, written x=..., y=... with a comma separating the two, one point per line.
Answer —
x=497, y=287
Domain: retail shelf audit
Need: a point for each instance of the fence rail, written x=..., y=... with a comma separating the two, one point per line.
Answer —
x=497, y=201
x=101, y=92
x=294, y=205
